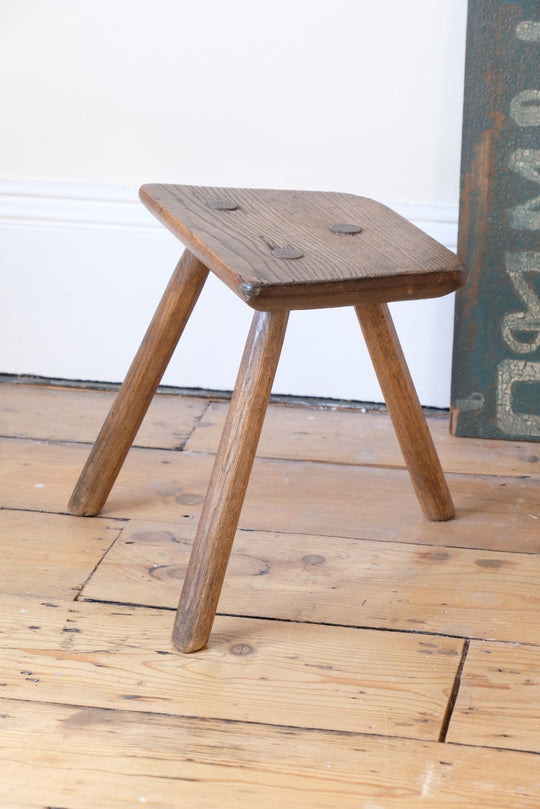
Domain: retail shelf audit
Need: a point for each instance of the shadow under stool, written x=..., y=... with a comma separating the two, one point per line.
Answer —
x=279, y=251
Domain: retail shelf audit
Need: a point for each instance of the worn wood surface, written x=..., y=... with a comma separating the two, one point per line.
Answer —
x=97, y=709
x=499, y=698
x=300, y=577
x=390, y=259
x=51, y=554
x=228, y=482
x=339, y=436
x=496, y=378
x=134, y=398
x=167, y=761
x=331, y=433
x=405, y=411
x=73, y=414
x=293, y=497
x=253, y=669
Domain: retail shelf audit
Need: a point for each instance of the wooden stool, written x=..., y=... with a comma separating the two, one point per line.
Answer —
x=278, y=250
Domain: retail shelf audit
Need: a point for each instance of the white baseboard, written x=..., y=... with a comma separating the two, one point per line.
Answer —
x=71, y=205
x=83, y=267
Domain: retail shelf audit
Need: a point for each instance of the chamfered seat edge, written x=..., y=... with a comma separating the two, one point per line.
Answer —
x=236, y=263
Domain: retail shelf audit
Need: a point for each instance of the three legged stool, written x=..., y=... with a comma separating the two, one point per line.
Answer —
x=278, y=250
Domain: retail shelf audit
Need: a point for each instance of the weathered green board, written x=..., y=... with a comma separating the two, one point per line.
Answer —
x=496, y=370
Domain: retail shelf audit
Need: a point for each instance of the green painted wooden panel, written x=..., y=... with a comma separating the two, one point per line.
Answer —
x=496, y=370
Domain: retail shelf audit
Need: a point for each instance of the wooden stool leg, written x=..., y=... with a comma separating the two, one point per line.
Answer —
x=228, y=482
x=405, y=411
x=133, y=399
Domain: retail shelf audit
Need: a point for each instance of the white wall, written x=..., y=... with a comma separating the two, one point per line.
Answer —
x=347, y=95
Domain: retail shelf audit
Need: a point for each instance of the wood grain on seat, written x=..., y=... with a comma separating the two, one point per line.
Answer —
x=244, y=236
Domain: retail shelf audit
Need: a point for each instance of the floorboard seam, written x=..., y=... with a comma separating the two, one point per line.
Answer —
x=208, y=720
x=359, y=627
x=454, y=693
x=98, y=563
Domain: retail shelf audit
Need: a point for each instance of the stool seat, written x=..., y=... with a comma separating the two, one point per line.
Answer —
x=283, y=250
x=278, y=250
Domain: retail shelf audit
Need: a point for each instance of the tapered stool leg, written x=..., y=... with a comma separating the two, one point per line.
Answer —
x=405, y=411
x=228, y=482
x=133, y=399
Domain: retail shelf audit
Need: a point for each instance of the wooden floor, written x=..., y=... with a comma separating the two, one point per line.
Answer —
x=363, y=657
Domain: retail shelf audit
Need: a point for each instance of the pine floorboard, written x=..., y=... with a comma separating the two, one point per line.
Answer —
x=335, y=580
x=71, y=414
x=51, y=555
x=500, y=513
x=286, y=673
x=362, y=656
x=482, y=714
x=363, y=437
x=85, y=758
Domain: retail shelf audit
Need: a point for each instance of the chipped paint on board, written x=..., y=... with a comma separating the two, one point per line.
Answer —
x=496, y=373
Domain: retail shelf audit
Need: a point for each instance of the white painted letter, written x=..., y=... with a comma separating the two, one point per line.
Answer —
x=526, y=216
x=527, y=163
x=516, y=265
x=525, y=108
x=528, y=30
x=510, y=373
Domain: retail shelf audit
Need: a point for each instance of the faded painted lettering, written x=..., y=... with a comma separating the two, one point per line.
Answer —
x=526, y=216
x=528, y=30
x=518, y=266
x=510, y=373
x=521, y=330
x=525, y=108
